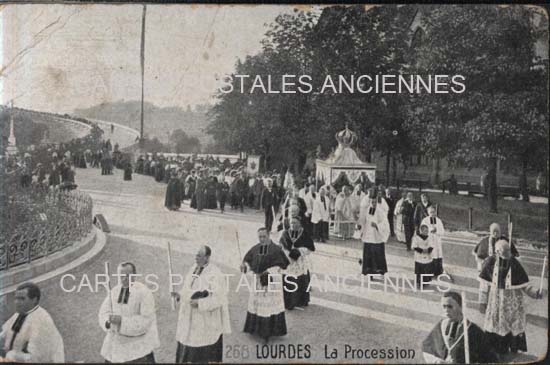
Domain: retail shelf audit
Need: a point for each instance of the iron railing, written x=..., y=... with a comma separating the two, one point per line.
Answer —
x=39, y=221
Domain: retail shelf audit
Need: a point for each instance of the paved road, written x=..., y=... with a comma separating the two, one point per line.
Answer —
x=336, y=317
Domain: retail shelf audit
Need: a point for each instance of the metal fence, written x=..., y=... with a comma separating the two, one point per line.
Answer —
x=39, y=221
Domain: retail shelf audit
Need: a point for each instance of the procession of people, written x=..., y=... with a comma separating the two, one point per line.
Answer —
x=301, y=213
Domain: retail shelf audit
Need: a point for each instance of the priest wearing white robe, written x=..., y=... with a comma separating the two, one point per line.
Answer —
x=375, y=232
x=356, y=199
x=30, y=335
x=344, y=214
x=128, y=317
x=204, y=314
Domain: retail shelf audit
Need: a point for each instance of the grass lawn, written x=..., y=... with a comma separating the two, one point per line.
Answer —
x=530, y=220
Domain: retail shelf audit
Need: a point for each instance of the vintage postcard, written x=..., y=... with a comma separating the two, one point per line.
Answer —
x=266, y=183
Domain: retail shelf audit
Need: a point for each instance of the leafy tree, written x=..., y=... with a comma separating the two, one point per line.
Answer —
x=183, y=143
x=345, y=41
x=153, y=145
x=269, y=124
x=494, y=48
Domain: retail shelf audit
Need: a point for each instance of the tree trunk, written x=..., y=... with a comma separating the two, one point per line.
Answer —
x=388, y=160
x=523, y=182
x=267, y=164
x=492, y=193
x=437, y=177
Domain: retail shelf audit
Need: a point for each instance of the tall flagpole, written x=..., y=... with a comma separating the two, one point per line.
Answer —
x=142, y=61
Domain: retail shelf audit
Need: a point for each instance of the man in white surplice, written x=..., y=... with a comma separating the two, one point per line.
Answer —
x=128, y=317
x=30, y=335
x=375, y=231
x=204, y=314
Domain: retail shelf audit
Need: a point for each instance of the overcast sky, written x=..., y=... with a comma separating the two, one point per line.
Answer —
x=75, y=56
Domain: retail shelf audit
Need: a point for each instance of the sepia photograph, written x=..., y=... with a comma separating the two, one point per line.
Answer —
x=273, y=183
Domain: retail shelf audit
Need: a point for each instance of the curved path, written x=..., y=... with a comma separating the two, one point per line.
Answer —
x=123, y=135
x=337, y=316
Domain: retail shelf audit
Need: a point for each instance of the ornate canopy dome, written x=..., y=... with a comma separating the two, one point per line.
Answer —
x=346, y=137
x=344, y=154
x=344, y=160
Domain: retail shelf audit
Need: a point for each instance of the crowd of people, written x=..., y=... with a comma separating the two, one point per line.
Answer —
x=50, y=165
x=54, y=165
x=351, y=212
x=305, y=211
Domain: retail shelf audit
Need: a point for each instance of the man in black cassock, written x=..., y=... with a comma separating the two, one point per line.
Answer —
x=421, y=211
x=268, y=202
x=445, y=343
x=266, y=307
x=258, y=189
x=200, y=187
x=241, y=188
x=159, y=173
x=127, y=169
x=210, y=192
x=390, y=200
x=486, y=248
x=407, y=212
x=172, y=199
x=297, y=245
x=190, y=187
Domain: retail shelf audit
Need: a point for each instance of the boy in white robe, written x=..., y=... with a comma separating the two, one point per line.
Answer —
x=30, y=335
x=204, y=315
x=423, y=256
x=128, y=317
x=436, y=230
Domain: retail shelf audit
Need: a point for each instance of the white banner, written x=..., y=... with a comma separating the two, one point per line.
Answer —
x=253, y=165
